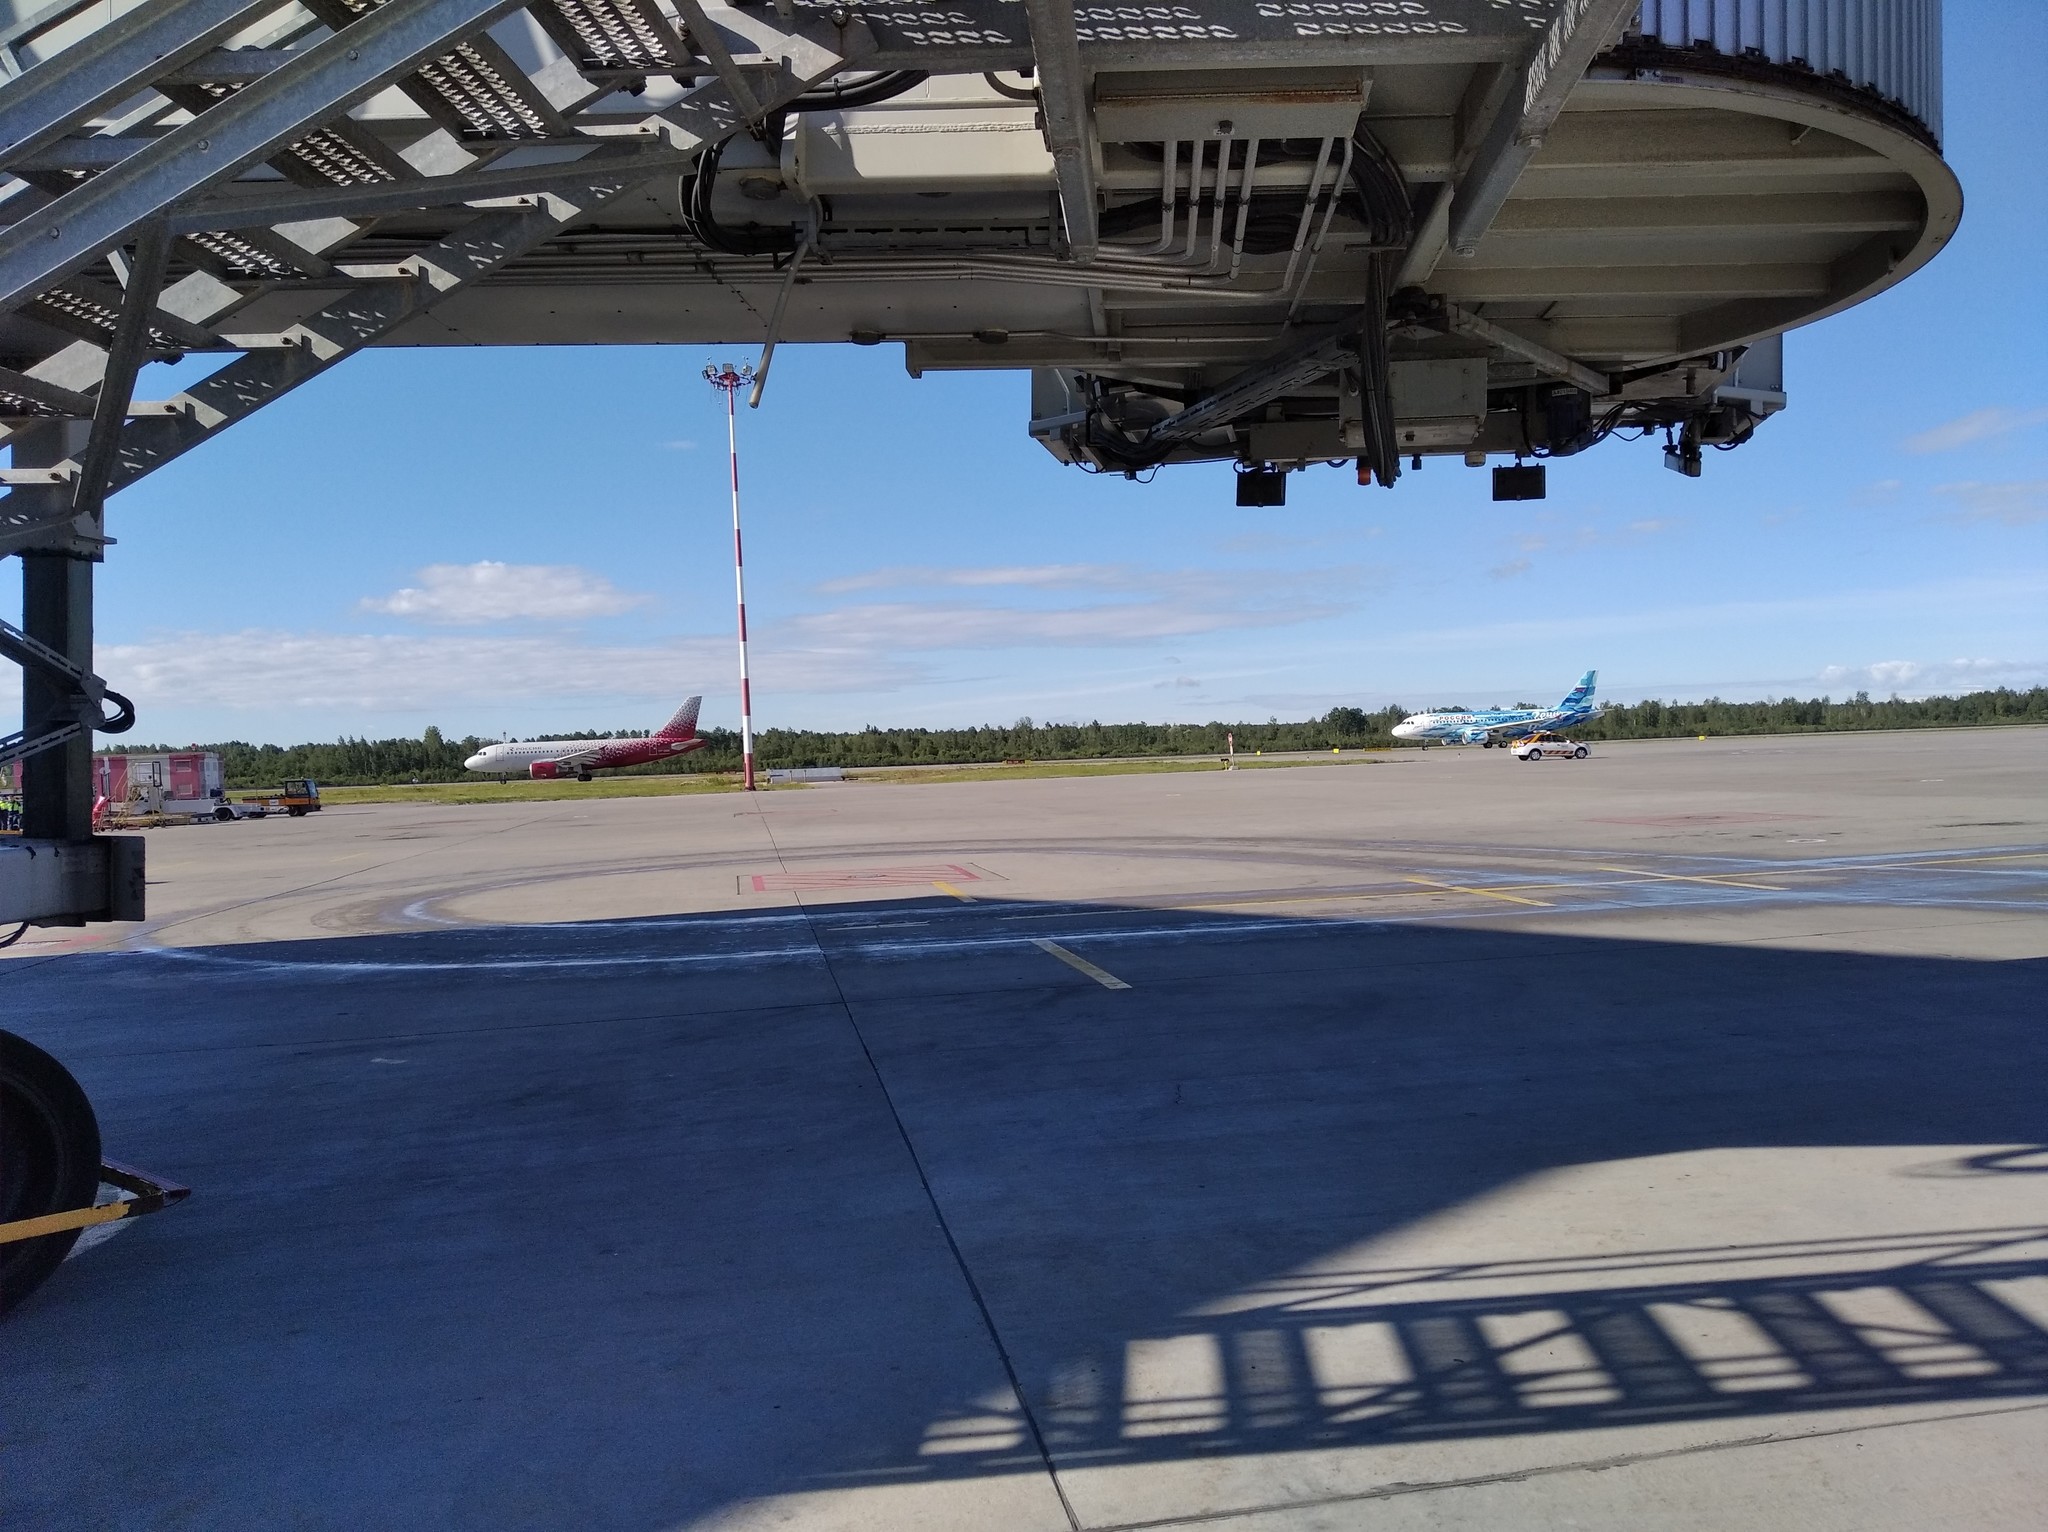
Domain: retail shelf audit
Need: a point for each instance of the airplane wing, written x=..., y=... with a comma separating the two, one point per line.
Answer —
x=577, y=757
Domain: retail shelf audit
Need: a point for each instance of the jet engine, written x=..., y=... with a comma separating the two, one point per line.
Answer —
x=544, y=771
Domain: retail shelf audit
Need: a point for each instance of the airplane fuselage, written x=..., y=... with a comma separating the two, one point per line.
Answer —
x=1497, y=724
x=1502, y=725
x=520, y=759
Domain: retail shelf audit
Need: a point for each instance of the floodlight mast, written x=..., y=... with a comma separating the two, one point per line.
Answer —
x=728, y=381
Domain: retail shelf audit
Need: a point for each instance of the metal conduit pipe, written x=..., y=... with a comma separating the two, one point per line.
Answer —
x=1169, y=199
x=995, y=268
x=1329, y=216
x=1244, y=204
x=1195, y=199
x=1308, y=209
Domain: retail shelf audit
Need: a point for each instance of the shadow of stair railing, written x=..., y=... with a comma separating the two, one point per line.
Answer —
x=1385, y=1356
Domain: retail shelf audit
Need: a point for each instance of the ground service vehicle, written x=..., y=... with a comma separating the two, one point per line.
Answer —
x=298, y=797
x=1537, y=746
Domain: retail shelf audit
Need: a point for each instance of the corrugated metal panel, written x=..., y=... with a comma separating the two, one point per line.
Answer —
x=1890, y=46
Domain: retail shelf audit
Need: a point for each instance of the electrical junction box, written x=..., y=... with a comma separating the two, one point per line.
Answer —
x=1058, y=406
x=1296, y=442
x=1439, y=402
x=916, y=146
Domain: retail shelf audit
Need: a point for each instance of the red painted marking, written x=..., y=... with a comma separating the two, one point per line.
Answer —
x=863, y=877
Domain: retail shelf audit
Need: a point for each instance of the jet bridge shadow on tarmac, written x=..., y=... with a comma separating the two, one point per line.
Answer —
x=618, y=1224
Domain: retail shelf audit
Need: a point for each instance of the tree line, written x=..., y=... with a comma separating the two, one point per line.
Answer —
x=435, y=758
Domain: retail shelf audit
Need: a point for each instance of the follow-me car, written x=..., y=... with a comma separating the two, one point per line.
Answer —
x=1537, y=746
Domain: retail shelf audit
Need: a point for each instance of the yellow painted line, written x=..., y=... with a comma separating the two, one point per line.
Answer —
x=1376, y=893
x=1484, y=893
x=1673, y=877
x=56, y=1223
x=947, y=888
x=1075, y=961
x=1226, y=904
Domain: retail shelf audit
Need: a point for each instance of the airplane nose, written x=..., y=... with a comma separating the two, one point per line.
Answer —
x=475, y=762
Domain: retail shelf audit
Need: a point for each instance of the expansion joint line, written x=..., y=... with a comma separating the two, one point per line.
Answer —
x=988, y=1319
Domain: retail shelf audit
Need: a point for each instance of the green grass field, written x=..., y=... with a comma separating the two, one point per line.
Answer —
x=663, y=787
x=530, y=792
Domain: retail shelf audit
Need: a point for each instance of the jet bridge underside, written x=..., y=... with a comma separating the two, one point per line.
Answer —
x=1138, y=203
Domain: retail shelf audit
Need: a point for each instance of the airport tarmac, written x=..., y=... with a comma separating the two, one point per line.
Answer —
x=1443, y=1141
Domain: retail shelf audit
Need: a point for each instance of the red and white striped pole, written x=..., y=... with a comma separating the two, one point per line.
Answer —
x=730, y=382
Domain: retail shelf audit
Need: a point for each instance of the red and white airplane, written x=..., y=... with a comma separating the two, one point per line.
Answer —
x=546, y=759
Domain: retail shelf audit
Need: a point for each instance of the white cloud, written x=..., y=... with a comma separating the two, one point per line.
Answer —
x=1025, y=576
x=1977, y=426
x=1139, y=607
x=859, y=648
x=1932, y=678
x=260, y=670
x=1529, y=544
x=2020, y=591
x=2014, y=502
x=933, y=625
x=1133, y=605
x=469, y=595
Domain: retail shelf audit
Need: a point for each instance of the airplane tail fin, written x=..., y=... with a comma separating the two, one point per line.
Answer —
x=1581, y=694
x=683, y=725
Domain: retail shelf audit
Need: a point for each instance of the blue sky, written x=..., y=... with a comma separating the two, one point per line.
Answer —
x=348, y=560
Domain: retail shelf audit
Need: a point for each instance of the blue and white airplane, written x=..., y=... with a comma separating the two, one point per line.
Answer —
x=1498, y=726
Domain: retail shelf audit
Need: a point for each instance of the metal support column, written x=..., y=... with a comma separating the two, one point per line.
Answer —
x=1578, y=32
x=126, y=354
x=1063, y=104
x=56, y=610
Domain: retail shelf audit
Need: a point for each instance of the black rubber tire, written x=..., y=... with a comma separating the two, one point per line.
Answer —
x=583, y=776
x=225, y=816
x=1533, y=755
x=296, y=813
x=1581, y=753
x=49, y=1160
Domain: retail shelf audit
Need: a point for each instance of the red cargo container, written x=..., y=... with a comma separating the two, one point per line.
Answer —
x=186, y=776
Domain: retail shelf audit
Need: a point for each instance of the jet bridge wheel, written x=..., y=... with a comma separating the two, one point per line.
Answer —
x=49, y=1160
